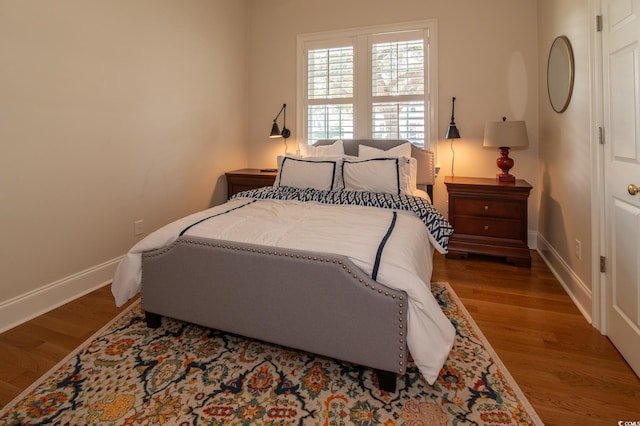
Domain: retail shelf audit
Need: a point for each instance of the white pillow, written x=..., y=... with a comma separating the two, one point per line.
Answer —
x=413, y=175
x=336, y=148
x=403, y=150
x=307, y=173
x=374, y=175
x=382, y=174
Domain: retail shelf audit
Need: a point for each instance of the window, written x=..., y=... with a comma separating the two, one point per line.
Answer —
x=369, y=83
x=330, y=93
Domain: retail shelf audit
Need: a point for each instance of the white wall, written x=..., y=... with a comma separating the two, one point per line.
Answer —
x=487, y=59
x=111, y=111
x=566, y=152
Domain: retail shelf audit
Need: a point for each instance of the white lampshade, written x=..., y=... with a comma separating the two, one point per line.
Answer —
x=511, y=134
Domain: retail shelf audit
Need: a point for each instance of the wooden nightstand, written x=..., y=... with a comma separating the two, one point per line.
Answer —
x=489, y=218
x=245, y=179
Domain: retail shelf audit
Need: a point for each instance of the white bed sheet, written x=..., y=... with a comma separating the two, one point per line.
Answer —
x=352, y=231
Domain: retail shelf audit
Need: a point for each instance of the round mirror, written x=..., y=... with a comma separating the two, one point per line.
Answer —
x=560, y=74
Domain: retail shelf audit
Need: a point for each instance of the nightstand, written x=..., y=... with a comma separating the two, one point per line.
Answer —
x=245, y=179
x=488, y=217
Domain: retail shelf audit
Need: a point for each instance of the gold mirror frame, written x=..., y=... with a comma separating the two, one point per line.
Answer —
x=560, y=74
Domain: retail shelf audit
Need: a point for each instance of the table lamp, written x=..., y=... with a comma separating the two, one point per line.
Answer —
x=505, y=135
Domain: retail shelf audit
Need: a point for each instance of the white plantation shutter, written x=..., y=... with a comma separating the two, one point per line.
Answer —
x=330, y=74
x=330, y=89
x=368, y=83
x=397, y=68
x=399, y=120
x=398, y=90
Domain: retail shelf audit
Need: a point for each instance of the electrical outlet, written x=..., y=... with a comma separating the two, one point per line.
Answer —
x=138, y=227
x=578, y=249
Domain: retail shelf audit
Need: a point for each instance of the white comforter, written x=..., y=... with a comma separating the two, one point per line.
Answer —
x=352, y=231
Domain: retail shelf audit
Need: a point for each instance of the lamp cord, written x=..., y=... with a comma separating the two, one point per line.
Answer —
x=453, y=157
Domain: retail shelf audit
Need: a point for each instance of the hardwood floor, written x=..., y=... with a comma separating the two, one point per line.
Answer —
x=31, y=349
x=570, y=373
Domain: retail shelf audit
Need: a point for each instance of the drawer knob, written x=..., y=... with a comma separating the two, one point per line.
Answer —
x=486, y=208
x=486, y=227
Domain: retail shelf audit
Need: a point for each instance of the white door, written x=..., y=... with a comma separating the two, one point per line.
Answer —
x=621, y=54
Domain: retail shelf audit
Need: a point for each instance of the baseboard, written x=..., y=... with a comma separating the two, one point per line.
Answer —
x=532, y=240
x=44, y=299
x=577, y=290
x=30, y=305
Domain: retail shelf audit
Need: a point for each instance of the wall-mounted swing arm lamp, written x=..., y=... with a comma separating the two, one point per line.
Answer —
x=276, y=133
x=275, y=130
x=452, y=132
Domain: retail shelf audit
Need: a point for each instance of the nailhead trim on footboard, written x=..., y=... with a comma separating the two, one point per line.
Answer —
x=345, y=265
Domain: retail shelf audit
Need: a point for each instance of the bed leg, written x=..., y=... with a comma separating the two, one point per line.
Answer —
x=153, y=320
x=387, y=380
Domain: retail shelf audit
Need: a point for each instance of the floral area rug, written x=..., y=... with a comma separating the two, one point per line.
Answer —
x=183, y=374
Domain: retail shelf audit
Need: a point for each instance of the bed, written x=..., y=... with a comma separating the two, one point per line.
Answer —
x=338, y=269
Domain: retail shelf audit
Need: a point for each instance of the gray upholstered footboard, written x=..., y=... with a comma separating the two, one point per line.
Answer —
x=309, y=301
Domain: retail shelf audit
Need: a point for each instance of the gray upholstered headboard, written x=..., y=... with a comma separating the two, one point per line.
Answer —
x=425, y=159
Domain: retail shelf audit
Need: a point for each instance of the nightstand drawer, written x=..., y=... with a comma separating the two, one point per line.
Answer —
x=486, y=227
x=488, y=208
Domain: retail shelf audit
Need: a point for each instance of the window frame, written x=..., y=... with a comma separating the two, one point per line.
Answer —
x=361, y=39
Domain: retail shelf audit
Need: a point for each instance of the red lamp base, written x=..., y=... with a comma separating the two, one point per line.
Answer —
x=505, y=164
x=505, y=178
